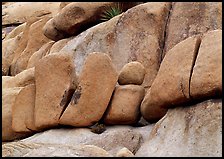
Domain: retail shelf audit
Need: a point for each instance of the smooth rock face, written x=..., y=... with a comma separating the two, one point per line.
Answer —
x=171, y=85
x=132, y=73
x=8, y=99
x=35, y=41
x=124, y=152
x=16, y=31
x=111, y=140
x=54, y=75
x=23, y=110
x=20, y=149
x=43, y=51
x=206, y=78
x=190, y=131
x=192, y=18
x=124, y=107
x=57, y=46
x=20, y=12
x=22, y=79
x=92, y=96
x=126, y=38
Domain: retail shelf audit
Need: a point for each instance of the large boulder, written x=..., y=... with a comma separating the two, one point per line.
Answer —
x=22, y=79
x=54, y=76
x=206, y=80
x=192, y=18
x=92, y=96
x=20, y=12
x=112, y=139
x=36, y=40
x=8, y=99
x=43, y=51
x=126, y=38
x=171, y=85
x=132, y=73
x=19, y=149
x=124, y=107
x=190, y=131
x=75, y=17
x=23, y=110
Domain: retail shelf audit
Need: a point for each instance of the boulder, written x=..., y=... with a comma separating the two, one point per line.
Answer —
x=12, y=14
x=8, y=98
x=92, y=96
x=54, y=78
x=206, y=80
x=43, y=51
x=191, y=131
x=23, y=110
x=76, y=17
x=16, y=31
x=57, y=46
x=132, y=73
x=112, y=139
x=124, y=152
x=22, y=79
x=193, y=18
x=19, y=149
x=126, y=38
x=171, y=85
x=63, y=4
x=35, y=41
x=5, y=66
x=124, y=107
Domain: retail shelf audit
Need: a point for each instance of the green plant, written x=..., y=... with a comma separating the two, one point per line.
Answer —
x=111, y=12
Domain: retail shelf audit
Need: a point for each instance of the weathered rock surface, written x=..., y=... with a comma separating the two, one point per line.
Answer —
x=126, y=38
x=132, y=73
x=12, y=14
x=54, y=75
x=92, y=96
x=190, y=131
x=206, y=81
x=16, y=31
x=111, y=140
x=171, y=85
x=124, y=152
x=43, y=51
x=23, y=110
x=124, y=107
x=8, y=99
x=51, y=150
x=188, y=19
x=35, y=41
x=76, y=17
x=57, y=46
x=22, y=79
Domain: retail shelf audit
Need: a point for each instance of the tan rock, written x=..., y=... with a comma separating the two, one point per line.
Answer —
x=126, y=38
x=20, y=12
x=5, y=66
x=92, y=96
x=206, y=80
x=171, y=85
x=35, y=41
x=43, y=51
x=188, y=19
x=57, y=46
x=125, y=104
x=23, y=110
x=191, y=131
x=124, y=152
x=54, y=76
x=8, y=98
x=19, y=29
x=63, y=4
x=132, y=73
x=22, y=79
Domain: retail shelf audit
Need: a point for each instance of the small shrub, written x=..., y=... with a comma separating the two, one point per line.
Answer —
x=111, y=12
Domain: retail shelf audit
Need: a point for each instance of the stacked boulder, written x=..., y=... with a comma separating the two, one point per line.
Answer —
x=124, y=107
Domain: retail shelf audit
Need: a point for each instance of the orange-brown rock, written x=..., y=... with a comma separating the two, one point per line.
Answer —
x=171, y=85
x=57, y=46
x=92, y=96
x=16, y=31
x=8, y=98
x=206, y=80
x=43, y=51
x=23, y=110
x=132, y=73
x=54, y=76
x=124, y=107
